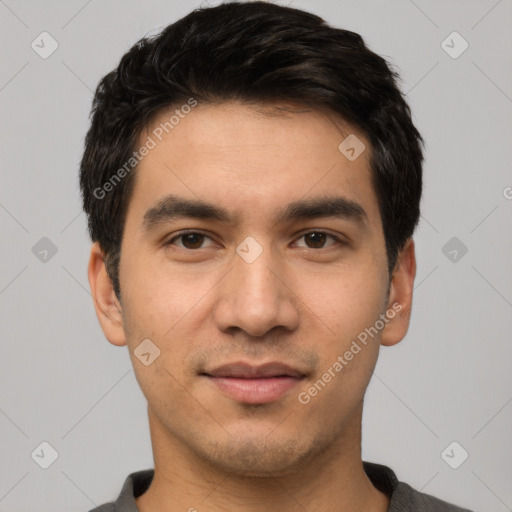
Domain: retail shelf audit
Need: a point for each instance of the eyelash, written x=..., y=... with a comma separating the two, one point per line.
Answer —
x=182, y=234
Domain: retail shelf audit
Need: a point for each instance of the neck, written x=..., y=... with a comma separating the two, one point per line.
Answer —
x=333, y=481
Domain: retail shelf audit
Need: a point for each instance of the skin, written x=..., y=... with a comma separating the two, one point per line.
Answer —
x=299, y=302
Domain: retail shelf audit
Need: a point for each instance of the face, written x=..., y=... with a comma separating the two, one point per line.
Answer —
x=256, y=298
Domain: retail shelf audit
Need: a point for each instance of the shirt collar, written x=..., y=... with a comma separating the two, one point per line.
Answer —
x=137, y=483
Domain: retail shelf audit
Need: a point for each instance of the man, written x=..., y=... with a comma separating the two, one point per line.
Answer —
x=252, y=180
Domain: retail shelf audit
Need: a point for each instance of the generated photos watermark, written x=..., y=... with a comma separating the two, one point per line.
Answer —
x=304, y=397
x=137, y=156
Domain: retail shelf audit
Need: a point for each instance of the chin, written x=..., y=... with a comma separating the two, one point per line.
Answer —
x=257, y=459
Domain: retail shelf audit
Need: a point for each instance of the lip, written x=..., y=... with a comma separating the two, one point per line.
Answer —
x=243, y=370
x=254, y=384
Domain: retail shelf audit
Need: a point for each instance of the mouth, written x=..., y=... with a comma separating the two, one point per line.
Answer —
x=250, y=384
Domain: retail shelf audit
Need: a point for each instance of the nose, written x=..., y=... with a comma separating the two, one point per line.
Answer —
x=257, y=296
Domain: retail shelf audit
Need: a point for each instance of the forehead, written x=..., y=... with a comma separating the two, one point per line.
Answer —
x=255, y=158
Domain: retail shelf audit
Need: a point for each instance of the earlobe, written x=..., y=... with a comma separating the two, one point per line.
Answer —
x=106, y=304
x=400, y=296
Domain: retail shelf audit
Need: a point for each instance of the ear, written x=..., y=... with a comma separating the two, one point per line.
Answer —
x=400, y=296
x=108, y=308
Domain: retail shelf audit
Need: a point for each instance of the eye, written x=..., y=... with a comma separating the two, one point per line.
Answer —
x=193, y=239
x=317, y=239
x=190, y=240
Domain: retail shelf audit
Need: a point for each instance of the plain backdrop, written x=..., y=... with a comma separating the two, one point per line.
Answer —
x=449, y=381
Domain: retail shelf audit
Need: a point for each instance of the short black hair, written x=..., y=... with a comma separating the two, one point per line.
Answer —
x=252, y=52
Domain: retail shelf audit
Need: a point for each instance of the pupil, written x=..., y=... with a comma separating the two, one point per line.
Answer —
x=187, y=239
x=320, y=241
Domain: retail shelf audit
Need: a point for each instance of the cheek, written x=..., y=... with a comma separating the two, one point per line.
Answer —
x=163, y=388
x=158, y=331
x=345, y=303
x=157, y=297
x=330, y=399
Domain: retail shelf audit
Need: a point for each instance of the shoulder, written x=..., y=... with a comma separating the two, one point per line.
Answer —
x=135, y=484
x=403, y=498
x=406, y=498
x=107, y=507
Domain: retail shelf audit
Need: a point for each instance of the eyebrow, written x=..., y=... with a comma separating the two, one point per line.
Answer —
x=173, y=207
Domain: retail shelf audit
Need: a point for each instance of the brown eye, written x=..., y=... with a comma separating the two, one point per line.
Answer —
x=317, y=239
x=190, y=240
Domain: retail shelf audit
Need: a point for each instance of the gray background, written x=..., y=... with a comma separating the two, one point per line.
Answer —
x=449, y=380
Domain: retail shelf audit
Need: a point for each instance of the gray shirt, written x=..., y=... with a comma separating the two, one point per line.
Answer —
x=403, y=497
